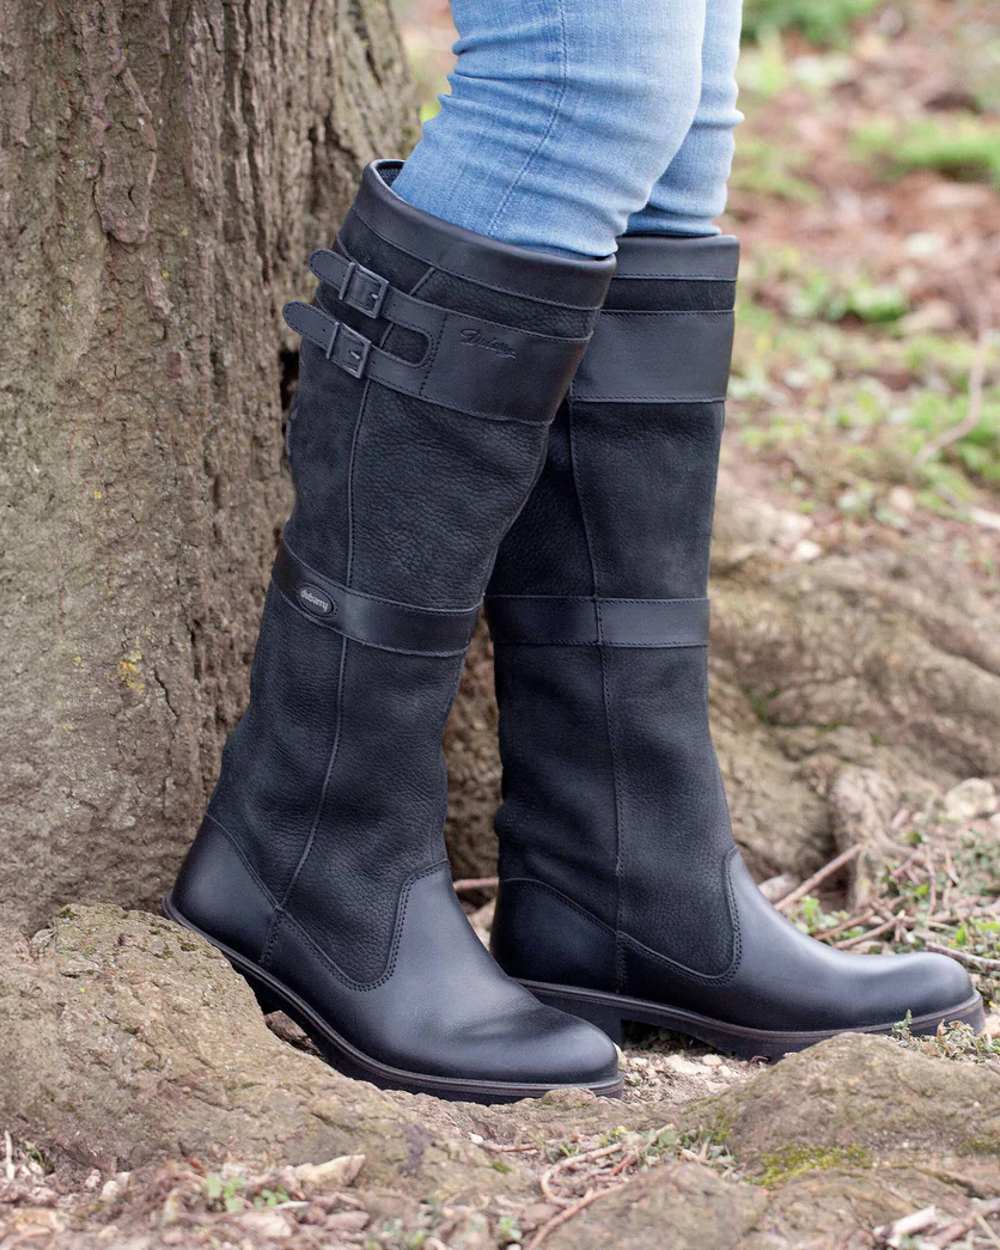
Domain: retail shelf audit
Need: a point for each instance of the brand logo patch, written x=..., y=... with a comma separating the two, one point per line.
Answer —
x=315, y=600
x=476, y=338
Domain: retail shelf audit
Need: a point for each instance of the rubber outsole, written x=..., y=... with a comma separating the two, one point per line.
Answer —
x=273, y=995
x=610, y=1011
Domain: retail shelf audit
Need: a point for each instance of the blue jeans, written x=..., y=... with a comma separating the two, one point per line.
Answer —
x=571, y=122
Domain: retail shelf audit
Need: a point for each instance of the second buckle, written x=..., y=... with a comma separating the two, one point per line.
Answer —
x=349, y=350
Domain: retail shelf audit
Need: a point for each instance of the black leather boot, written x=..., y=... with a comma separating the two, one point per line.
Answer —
x=623, y=895
x=432, y=363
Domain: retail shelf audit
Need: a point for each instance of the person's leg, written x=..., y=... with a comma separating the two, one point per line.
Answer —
x=561, y=116
x=692, y=192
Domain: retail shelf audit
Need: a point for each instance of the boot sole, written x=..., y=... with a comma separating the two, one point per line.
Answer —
x=610, y=1011
x=273, y=995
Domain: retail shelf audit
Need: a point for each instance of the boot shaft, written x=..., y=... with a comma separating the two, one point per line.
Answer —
x=599, y=617
x=624, y=504
x=432, y=363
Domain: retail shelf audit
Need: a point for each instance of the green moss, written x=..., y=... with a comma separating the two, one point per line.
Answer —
x=786, y=1164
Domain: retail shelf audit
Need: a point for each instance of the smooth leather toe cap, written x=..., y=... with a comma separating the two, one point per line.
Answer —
x=924, y=984
x=529, y=1043
x=570, y=1051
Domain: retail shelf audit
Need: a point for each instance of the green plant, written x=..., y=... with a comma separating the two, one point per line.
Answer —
x=767, y=169
x=823, y=295
x=508, y=1230
x=825, y=23
x=951, y=1041
x=223, y=1193
x=270, y=1198
x=958, y=144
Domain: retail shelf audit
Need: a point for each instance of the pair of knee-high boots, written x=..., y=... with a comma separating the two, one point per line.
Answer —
x=437, y=453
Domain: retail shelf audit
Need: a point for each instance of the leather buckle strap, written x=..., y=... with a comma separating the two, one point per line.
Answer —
x=348, y=349
x=576, y=621
x=345, y=347
x=476, y=367
x=356, y=286
x=381, y=623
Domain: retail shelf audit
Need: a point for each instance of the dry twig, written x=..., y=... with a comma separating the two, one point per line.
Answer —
x=465, y=885
x=958, y=1228
x=978, y=963
x=862, y=938
x=590, y=1196
x=819, y=877
x=974, y=412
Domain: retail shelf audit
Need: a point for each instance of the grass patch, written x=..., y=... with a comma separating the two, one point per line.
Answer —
x=959, y=145
x=767, y=169
x=825, y=23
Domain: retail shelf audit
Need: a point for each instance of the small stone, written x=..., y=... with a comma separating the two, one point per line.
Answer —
x=902, y=500
x=266, y=1224
x=969, y=800
x=93, y=1180
x=685, y=1067
x=806, y=550
x=333, y=1174
x=711, y=1061
x=989, y=520
x=347, y=1221
x=476, y=1138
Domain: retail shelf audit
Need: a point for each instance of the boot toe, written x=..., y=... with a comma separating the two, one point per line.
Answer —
x=933, y=984
x=571, y=1051
x=539, y=1045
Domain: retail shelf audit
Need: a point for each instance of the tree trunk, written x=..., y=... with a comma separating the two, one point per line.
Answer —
x=166, y=166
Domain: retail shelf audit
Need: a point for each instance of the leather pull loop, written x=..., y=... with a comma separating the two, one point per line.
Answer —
x=557, y=621
x=375, y=622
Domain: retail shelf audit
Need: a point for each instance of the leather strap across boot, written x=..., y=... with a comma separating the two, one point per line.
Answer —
x=623, y=895
x=432, y=363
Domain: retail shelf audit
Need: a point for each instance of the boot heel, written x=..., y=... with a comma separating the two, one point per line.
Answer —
x=608, y=1019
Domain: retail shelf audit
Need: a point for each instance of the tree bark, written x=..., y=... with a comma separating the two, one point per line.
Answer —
x=165, y=168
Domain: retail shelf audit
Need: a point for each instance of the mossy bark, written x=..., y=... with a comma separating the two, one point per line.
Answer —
x=165, y=168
